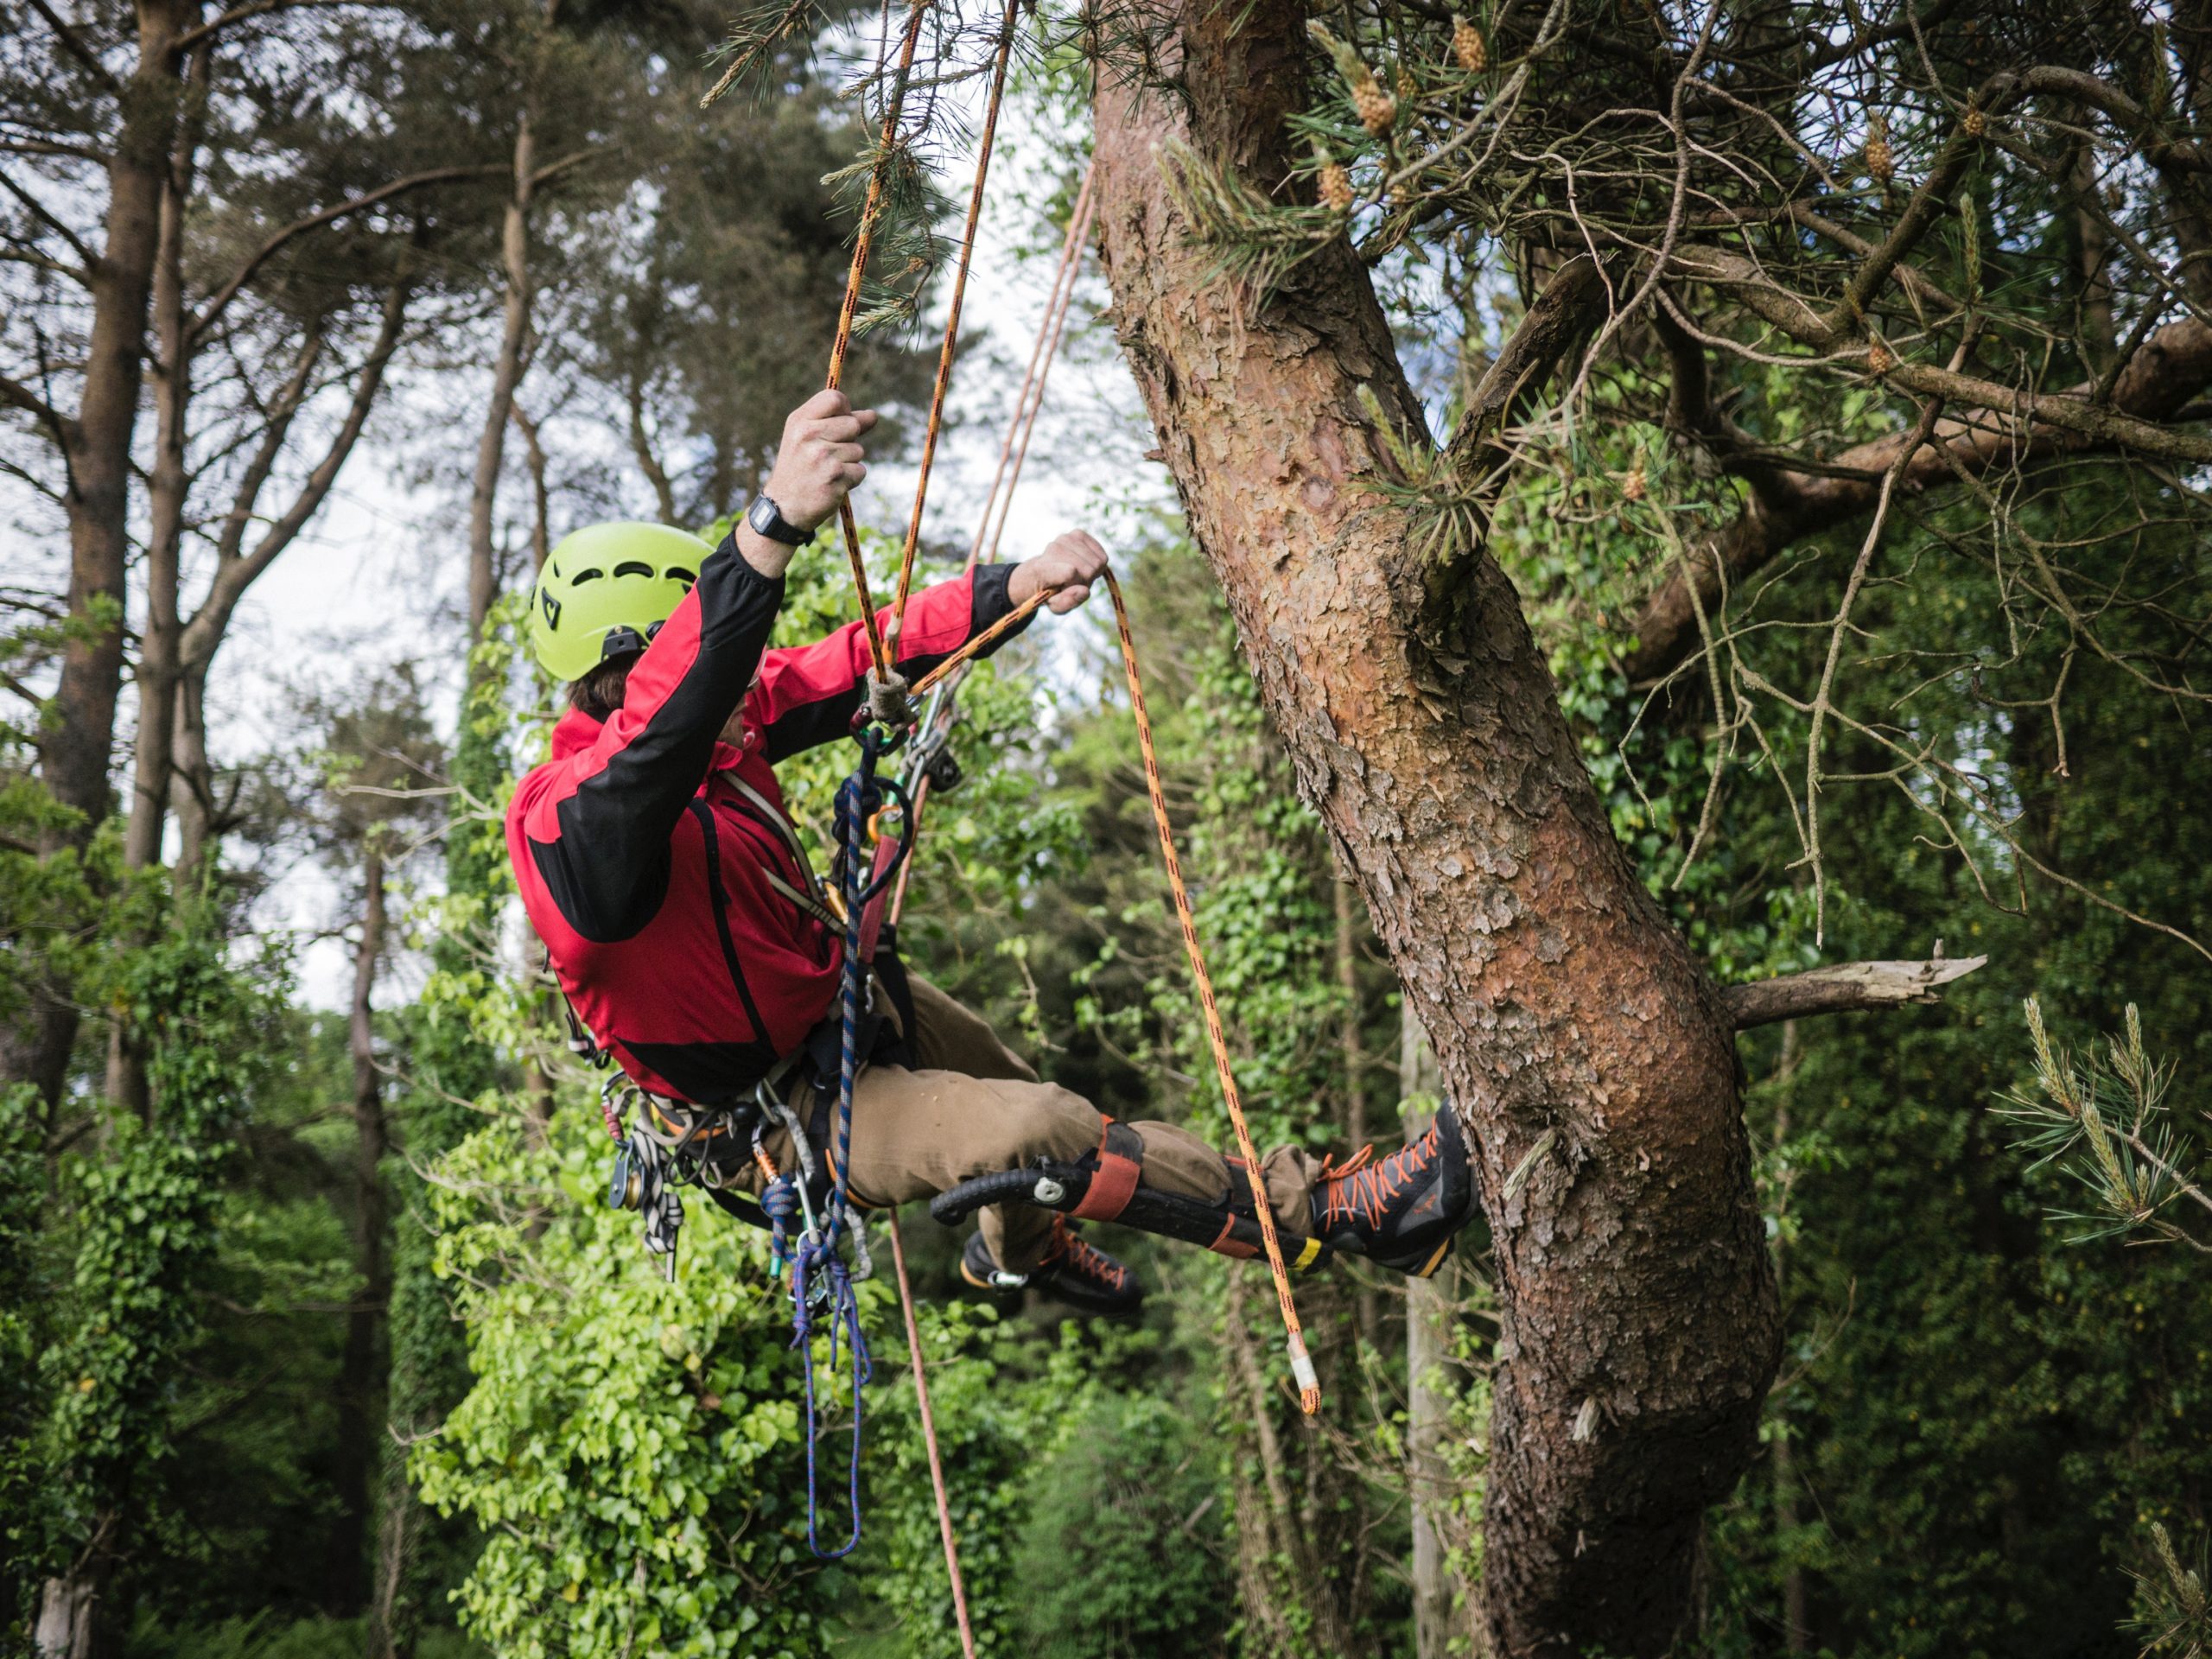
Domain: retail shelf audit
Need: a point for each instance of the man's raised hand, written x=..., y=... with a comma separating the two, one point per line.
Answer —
x=820, y=460
x=1066, y=569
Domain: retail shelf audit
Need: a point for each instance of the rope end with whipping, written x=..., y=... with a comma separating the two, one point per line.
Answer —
x=1308, y=1380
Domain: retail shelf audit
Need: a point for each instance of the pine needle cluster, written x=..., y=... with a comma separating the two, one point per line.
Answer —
x=2111, y=1126
x=2173, y=1615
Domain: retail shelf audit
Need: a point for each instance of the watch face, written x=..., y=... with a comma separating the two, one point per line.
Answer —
x=767, y=519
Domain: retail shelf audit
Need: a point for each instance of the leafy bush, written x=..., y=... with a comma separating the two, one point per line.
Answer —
x=1122, y=1553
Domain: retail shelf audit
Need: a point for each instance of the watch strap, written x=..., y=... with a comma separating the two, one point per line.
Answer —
x=767, y=519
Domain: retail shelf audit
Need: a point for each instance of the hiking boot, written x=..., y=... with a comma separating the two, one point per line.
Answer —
x=1405, y=1210
x=1079, y=1274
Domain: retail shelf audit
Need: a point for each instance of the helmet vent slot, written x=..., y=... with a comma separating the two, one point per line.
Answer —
x=634, y=568
x=677, y=573
x=583, y=576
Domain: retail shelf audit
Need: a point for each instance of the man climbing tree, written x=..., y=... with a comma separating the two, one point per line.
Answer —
x=698, y=949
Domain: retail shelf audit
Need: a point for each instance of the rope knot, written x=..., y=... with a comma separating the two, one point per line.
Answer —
x=889, y=702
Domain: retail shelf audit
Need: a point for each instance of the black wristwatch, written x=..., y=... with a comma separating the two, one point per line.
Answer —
x=767, y=519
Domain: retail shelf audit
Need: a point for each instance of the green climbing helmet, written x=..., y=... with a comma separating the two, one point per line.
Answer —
x=604, y=591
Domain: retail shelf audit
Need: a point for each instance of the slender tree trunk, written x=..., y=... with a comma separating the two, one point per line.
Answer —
x=506, y=375
x=1428, y=1404
x=1289, y=1567
x=161, y=637
x=1579, y=1041
x=69, y=1616
x=195, y=795
x=641, y=445
x=73, y=758
x=161, y=644
x=347, y=1578
x=541, y=503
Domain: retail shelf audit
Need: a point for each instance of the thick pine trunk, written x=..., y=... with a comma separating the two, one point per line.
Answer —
x=1574, y=1033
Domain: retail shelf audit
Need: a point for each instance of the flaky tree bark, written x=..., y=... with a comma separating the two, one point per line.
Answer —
x=1577, y=1039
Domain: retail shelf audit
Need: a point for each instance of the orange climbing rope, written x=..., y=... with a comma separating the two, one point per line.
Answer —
x=952, y=317
x=871, y=210
x=1301, y=1363
x=1041, y=354
x=929, y=1440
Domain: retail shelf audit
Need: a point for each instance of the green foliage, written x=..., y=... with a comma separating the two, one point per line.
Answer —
x=626, y=1449
x=1119, y=1550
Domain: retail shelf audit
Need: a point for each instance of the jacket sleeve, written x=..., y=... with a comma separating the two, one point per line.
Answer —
x=809, y=694
x=599, y=825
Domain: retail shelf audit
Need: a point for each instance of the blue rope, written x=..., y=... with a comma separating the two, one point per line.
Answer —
x=816, y=1256
x=816, y=1259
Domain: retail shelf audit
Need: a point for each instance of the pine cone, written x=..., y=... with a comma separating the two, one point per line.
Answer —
x=1881, y=165
x=1408, y=91
x=1378, y=111
x=1467, y=46
x=1336, y=187
x=1879, y=359
x=1976, y=123
x=1634, y=488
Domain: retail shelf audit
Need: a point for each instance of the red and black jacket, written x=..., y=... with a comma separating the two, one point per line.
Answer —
x=656, y=861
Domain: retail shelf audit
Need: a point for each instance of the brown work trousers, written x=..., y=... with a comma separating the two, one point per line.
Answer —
x=970, y=1106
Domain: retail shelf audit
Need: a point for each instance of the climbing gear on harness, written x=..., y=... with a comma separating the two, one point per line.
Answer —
x=641, y=1182
x=1402, y=1211
x=605, y=589
x=1072, y=1270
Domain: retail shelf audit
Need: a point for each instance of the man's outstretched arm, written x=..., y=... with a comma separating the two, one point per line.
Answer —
x=597, y=828
x=809, y=694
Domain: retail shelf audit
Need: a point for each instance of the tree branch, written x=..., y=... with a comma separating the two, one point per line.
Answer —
x=16, y=395
x=229, y=291
x=78, y=49
x=1558, y=317
x=192, y=37
x=235, y=575
x=1996, y=427
x=88, y=262
x=1844, y=989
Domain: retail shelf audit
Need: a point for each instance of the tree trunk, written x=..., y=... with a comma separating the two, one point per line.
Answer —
x=1576, y=1034
x=1428, y=1404
x=74, y=749
x=1797, y=1619
x=69, y=1616
x=162, y=637
x=195, y=795
x=1284, y=1583
x=345, y=1580
x=506, y=374
x=161, y=642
